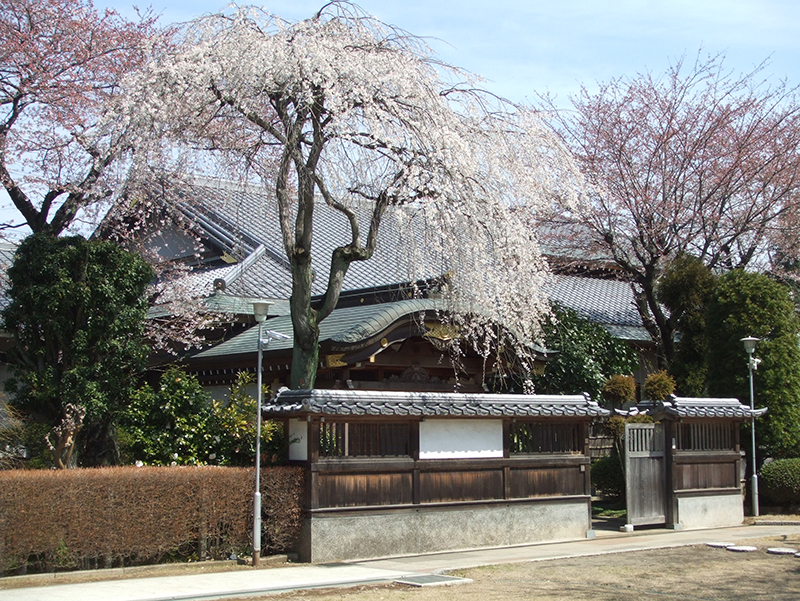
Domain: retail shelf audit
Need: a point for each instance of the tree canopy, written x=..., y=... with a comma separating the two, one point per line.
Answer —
x=685, y=289
x=76, y=311
x=62, y=62
x=696, y=161
x=751, y=304
x=345, y=110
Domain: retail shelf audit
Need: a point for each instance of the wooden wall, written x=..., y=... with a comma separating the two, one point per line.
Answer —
x=377, y=482
x=698, y=471
x=707, y=456
x=352, y=482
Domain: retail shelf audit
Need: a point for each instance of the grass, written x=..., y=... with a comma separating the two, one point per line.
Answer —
x=608, y=510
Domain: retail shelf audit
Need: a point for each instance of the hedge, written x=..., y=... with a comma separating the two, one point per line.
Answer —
x=87, y=518
x=780, y=482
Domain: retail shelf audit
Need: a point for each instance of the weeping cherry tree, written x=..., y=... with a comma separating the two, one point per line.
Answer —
x=345, y=110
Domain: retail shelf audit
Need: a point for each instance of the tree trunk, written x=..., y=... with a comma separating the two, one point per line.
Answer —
x=304, y=365
x=304, y=324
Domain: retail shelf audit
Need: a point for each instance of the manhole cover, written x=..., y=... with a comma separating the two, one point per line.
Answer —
x=782, y=551
x=742, y=548
x=719, y=545
x=433, y=580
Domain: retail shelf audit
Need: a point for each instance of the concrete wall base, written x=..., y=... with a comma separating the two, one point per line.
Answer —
x=327, y=537
x=712, y=511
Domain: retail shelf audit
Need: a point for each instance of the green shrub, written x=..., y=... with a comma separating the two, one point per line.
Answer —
x=587, y=355
x=180, y=424
x=608, y=477
x=658, y=386
x=619, y=390
x=780, y=482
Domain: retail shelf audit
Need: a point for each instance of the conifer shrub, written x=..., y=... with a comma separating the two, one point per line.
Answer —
x=618, y=390
x=658, y=386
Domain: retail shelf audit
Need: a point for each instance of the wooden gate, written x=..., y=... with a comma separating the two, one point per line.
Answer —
x=645, y=475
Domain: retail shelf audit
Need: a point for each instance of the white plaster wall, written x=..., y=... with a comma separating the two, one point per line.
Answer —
x=460, y=438
x=218, y=392
x=712, y=511
x=298, y=440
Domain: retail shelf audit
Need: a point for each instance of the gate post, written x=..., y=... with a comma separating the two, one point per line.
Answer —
x=671, y=500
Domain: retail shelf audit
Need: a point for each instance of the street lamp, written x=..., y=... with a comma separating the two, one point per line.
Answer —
x=752, y=363
x=260, y=310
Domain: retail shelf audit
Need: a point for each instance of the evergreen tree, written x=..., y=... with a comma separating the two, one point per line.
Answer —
x=750, y=304
x=685, y=290
x=76, y=312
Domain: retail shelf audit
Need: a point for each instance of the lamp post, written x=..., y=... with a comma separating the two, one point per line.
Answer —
x=752, y=364
x=260, y=310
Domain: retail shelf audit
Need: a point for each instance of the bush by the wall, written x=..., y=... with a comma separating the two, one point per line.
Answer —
x=618, y=390
x=119, y=516
x=780, y=482
x=658, y=386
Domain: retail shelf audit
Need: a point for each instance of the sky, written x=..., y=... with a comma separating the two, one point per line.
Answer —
x=527, y=47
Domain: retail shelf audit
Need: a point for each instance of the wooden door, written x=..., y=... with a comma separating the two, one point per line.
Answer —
x=645, y=474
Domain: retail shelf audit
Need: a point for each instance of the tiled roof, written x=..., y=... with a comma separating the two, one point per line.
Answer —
x=251, y=211
x=428, y=404
x=241, y=305
x=350, y=324
x=691, y=407
x=572, y=242
x=7, y=250
x=608, y=303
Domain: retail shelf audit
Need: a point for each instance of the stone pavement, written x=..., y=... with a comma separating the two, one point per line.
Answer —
x=242, y=583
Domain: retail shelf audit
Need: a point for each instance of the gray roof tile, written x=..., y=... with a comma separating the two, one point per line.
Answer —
x=693, y=407
x=7, y=250
x=350, y=324
x=290, y=403
x=608, y=303
x=251, y=211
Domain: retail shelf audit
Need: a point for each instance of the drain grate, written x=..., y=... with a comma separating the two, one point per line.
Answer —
x=433, y=580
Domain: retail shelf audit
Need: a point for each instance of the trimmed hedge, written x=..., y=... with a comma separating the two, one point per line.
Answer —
x=87, y=518
x=779, y=482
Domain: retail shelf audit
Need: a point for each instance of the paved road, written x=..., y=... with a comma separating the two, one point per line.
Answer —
x=239, y=583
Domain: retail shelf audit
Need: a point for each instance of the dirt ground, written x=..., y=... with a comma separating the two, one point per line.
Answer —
x=692, y=573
